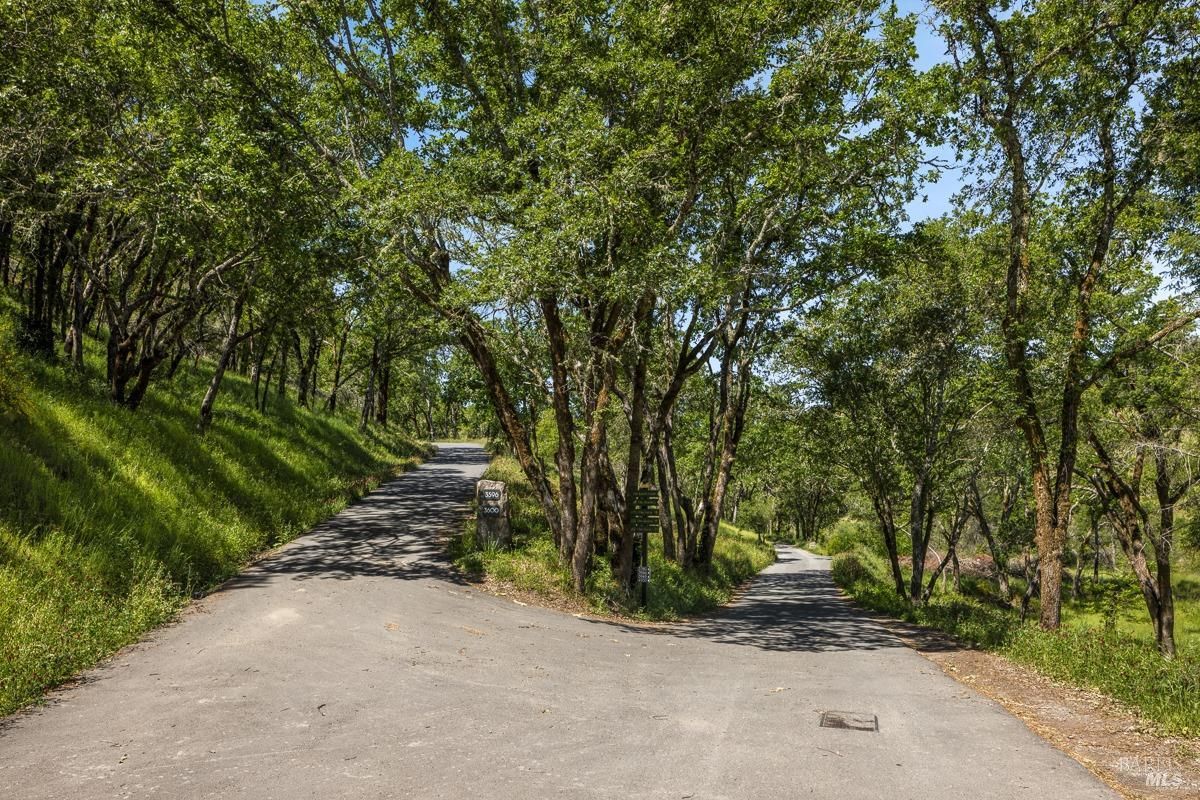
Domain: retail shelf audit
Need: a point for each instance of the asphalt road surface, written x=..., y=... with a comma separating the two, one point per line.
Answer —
x=353, y=664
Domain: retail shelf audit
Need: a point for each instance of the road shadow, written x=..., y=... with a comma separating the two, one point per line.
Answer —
x=790, y=607
x=396, y=531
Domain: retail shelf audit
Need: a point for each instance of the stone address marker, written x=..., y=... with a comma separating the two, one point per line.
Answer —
x=492, y=520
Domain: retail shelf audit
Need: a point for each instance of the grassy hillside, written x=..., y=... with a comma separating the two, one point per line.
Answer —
x=110, y=520
x=532, y=565
x=1116, y=602
x=1118, y=660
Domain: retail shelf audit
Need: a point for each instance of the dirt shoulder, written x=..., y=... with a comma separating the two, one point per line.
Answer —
x=1112, y=741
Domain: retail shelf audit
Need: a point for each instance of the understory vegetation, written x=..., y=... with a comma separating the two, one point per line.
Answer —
x=532, y=564
x=110, y=519
x=1117, y=657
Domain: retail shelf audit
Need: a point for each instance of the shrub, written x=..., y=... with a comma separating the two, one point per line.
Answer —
x=848, y=533
x=848, y=569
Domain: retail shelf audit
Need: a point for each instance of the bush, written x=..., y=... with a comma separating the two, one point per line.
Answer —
x=848, y=569
x=1190, y=533
x=847, y=534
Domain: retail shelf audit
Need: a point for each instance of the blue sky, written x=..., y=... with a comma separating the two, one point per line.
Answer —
x=934, y=199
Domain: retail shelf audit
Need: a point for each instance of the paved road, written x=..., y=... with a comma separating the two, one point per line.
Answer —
x=353, y=665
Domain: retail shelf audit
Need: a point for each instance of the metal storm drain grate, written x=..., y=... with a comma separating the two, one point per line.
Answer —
x=850, y=720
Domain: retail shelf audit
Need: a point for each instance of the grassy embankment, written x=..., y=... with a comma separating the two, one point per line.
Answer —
x=110, y=520
x=1103, y=644
x=532, y=564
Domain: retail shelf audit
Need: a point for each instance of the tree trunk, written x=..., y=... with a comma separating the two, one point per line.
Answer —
x=307, y=380
x=338, y=359
x=266, y=391
x=78, y=324
x=951, y=557
x=145, y=369
x=733, y=422
x=473, y=338
x=1031, y=585
x=1048, y=495
x=637, y=439
x=177, y=359
x=368, y=407
x=664, y=508
x=1163, y=545
x=886, y=516
x=685, y=516
x=1077, y=579
x=39, y=332
x=383, y=394
x=999, y=557
x=918, y=531
x=6, y=237
x=227, y=349
x=564, y=456
x=285, y=347
x=590, y=471
x=1128, y=520
x=261, y=345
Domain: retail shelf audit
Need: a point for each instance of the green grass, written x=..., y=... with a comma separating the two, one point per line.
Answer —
x=110, y=519
x=1123, y=664
x=532, y=564
x=1115, y=602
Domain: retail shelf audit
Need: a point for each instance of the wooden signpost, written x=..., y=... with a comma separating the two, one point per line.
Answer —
x=643, y=522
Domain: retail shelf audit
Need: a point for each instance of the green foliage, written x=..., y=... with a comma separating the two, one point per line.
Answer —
x=1124, y=666
x=847, y=534
x=676, y=592
x=12, y=395
x=1115, y=603
x=1190, y=533
x=532, y=565
x=848, y=569
x=110, y=520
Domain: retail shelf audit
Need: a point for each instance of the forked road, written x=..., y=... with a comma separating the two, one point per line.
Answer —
x=353, y=665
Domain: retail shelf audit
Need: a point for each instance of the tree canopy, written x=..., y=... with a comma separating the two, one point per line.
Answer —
x=649, y=244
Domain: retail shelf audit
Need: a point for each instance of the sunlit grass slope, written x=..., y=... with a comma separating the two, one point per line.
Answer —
x=110, y=520
x=1121, y=663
